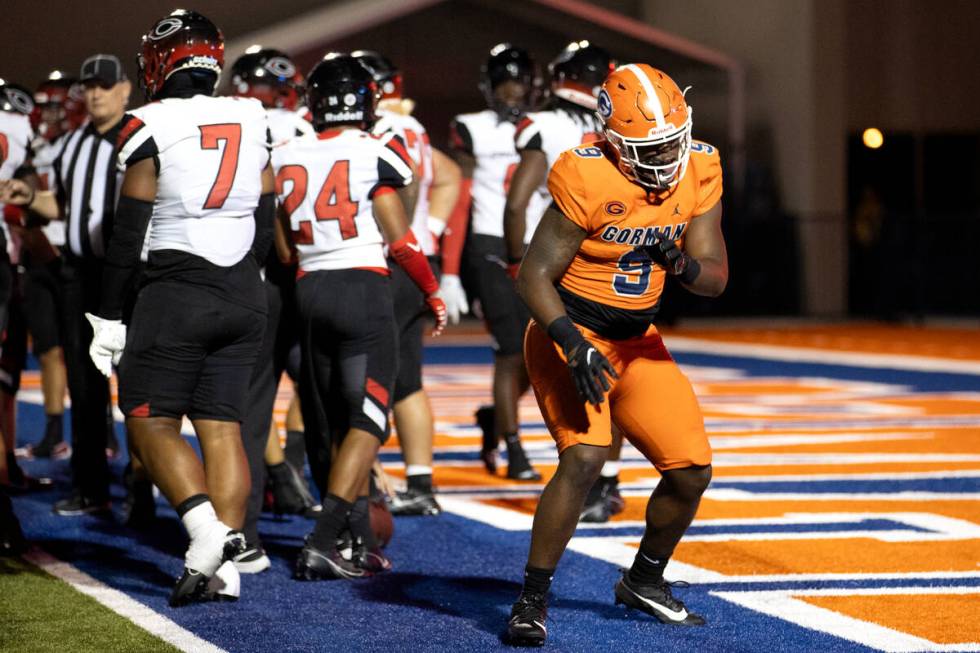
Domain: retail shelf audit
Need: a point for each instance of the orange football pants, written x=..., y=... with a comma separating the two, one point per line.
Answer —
x=652, y=402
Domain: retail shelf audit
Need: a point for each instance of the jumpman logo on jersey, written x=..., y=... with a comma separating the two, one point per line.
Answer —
x=677, y=210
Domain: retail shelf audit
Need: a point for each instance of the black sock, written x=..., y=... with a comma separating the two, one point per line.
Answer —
x=647, y=570
x=14, y=472
x=295, y=449
x=359, y=522
x=330, y=523
x=537, y=581
x=420, y=483
x=53, y=431
x=512, y=439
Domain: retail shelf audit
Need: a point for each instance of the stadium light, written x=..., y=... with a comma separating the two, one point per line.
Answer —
x=873, y=138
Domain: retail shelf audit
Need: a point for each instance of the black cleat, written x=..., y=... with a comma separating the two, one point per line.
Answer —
x=414, y=502
x=526, y=626
x=657, y=601
x=600, y=504
x=290, y=493
x=192, y=586
x=369, y=558
x=77, y=504
x=313, y=564
x=518, y=467
x=488, y=450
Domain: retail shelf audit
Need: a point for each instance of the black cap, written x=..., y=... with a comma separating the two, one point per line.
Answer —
x=102, y=67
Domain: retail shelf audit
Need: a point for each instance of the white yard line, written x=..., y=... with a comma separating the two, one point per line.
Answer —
x=120, y=603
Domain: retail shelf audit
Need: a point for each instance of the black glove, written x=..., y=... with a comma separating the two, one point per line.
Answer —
x=673, y=259
x=587, y=365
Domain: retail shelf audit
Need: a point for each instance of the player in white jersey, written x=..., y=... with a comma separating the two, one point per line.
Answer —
x=570, y=119
x=433, y=196
x=198, y=171
x=339, y=206
x=483, y=144
x=59, y=108
x=15, y=137
x=271, y=77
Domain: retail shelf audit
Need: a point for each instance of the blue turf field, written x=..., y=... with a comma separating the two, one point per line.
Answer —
x=455, y=577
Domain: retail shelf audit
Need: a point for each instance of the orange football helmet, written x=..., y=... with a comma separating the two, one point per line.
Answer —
x=648, y=123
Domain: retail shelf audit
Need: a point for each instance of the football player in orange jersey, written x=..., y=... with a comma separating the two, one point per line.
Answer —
x=627, y=212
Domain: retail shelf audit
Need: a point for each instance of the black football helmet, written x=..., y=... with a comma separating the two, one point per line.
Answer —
x=578, y=72
x=507, y=63
x=183, y=40
x=386, y=74
x=268, y=75
x=341, y=90
x=15, y=98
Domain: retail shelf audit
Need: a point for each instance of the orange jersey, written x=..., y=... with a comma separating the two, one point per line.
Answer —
x=619, y=215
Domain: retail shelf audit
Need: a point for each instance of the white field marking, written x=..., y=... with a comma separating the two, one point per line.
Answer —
x=857, y=476
x=930, y=521
x=123, y=605
x=824, y=356
x=531, y=491
x=816, y=407
x=783, y=605
x=791, y=459
x=732, y=494
x=502, y=518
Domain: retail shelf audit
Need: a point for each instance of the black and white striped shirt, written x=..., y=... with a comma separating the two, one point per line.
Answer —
x=88, y=188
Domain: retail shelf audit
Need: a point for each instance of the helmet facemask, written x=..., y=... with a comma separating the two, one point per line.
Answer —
x=656, y=162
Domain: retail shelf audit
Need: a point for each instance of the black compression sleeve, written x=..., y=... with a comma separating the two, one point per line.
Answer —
x=265, y=216
x=123, y=254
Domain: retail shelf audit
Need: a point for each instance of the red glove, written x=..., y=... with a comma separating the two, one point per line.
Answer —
x=513, y=269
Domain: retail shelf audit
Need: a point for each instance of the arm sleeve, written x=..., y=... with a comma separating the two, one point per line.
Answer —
x=568, y=190
x=708, y=169
x=123, y=254
x=265, y=215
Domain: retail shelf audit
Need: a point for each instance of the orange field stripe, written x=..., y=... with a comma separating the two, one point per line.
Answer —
x=940, y=618
x=858, y=555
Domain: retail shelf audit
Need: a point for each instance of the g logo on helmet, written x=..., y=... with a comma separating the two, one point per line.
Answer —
x=166, y=27
x=280, y=67
x=604, y=105
x=615, y=208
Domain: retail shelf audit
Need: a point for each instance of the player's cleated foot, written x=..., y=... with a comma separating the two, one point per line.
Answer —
x=526, y=626
x=599, y=504
x=252, y=561
x=193, y=585
x=290, y=494
x=78, y=504
x=414, y=502
x=488, y=450
x=370, y=559
x=657, y=601
x=46, y=448
x=518, y=467
x=314, y=564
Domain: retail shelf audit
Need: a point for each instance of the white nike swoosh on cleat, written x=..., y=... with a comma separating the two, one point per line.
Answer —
x=541, y=626
x=673, y=615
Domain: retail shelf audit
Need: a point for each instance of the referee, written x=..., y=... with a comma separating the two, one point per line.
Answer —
x=87, y=187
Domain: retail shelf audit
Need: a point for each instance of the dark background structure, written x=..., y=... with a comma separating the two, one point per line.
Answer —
x=817, y=224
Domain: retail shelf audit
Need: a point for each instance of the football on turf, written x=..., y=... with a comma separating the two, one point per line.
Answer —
x=381, y=521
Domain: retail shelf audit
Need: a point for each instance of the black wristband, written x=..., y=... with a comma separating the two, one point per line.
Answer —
x=691, y=272
x=565, y=333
